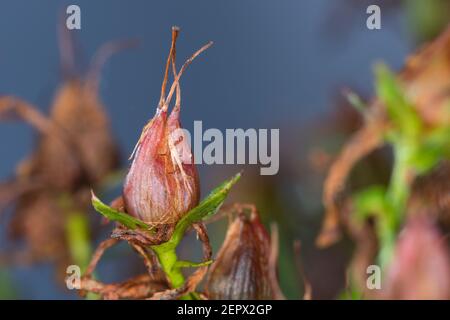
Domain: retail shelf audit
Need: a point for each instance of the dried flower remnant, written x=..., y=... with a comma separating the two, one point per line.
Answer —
x=162, y=184
x=75, y=150
x=242, y=270
x=78, y=110
x=421, y=267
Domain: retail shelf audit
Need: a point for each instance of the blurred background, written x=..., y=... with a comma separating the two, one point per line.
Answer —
x=273, y=65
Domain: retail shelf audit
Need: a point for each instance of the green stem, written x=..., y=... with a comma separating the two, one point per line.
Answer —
x=398, y=191
x=78, y=240
x=396, y=200
x=386, y=235
x=77, y=234
x=167, y=257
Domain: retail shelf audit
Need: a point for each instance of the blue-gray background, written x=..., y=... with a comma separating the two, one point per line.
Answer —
x=274, y=64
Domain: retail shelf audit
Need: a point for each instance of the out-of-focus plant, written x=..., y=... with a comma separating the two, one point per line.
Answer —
x=75, y=151
x=417, y=149
x=412, y=117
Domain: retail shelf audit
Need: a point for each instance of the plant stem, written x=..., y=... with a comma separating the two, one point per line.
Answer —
x=396, y=200
x=167, y=257
x=398, y=191
x=77, y=233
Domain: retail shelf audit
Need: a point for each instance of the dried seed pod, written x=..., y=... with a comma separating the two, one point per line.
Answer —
x=421, y=265
x=77, y=109
x=87, y=151
x=241, y=270
x=75, y=151
x=162, y=184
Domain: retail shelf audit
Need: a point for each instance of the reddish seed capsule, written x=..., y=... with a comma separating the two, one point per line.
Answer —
x=241, y=270
x=162, y=184
x=159, y=187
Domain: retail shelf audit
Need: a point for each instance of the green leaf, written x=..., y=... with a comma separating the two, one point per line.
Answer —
x=370, y=201
x=425, y=159
x=189, y=264
x=400, y=111
x=438, y=138
x=115, y=215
